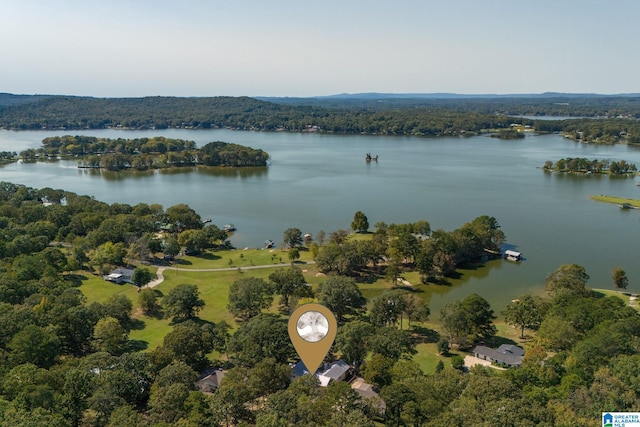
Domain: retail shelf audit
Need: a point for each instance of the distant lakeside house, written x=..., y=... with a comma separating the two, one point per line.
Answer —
x=119, y=276
x=507, y=355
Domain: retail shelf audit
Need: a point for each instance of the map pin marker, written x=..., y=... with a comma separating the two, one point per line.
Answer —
x=312, y=329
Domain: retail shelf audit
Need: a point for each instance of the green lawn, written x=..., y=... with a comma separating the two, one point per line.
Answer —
x=616, y=200
x=214, y=286
x=96, y=289
x=240, y=258
x=428, y=357
x=623, y=295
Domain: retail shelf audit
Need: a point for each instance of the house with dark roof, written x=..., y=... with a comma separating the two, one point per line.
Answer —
x=298, y=369
x=211, y=382
x=506, y=355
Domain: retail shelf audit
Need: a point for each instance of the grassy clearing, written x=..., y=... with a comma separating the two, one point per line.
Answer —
x=428, y=357
x=214, y=288
x=616, y=200
x=623, y=295
x=96, y=289
x=240, y=258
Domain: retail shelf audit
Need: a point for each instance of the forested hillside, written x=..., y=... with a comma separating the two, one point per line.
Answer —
x=616, y=116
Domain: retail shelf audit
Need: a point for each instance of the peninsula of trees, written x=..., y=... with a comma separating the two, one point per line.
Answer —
x=144, y=153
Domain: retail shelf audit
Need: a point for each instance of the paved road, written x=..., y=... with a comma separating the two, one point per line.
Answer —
x=162, y=268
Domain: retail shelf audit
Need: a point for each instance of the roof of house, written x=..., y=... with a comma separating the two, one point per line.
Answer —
x=124, y=271
x=336, y=372
x=366, y=391
x=298, y=369
x=210, y=382
x=506, y=353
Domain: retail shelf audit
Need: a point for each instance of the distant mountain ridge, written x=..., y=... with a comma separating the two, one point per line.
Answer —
x=449, y=95
x=375, y=113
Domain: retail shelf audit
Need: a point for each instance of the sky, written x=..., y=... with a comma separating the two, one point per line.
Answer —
x=297, y=48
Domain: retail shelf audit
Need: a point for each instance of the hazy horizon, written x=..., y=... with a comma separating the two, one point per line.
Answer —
x=296, y=49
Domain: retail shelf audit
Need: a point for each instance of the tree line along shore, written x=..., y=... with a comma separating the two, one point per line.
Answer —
x=79, y=350
x=595, y=119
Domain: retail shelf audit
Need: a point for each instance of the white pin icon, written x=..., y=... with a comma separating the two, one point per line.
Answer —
x=312, y=330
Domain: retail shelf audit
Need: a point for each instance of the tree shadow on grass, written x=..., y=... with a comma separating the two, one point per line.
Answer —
x=183, y=261
x=497, y=341
x=424, y=335
x=75, y=280
x=137, y=324
x=138, y=345
x=209, y=256
x=198, y=321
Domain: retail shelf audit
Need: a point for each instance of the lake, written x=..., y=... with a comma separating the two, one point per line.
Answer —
x=317, y=182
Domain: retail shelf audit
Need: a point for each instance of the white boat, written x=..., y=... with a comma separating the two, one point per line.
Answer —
x=512, y=255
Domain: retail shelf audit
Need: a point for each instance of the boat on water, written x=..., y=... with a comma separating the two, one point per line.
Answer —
x=268, y=244
x=228, y=228
x=512, y=255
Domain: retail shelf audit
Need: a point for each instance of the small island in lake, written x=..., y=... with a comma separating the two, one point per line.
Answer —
x=143, y=154
x=587, y=166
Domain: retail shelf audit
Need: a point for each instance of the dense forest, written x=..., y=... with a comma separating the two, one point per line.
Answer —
x=610, y=119
x=67, y=362
x=236, y=113
x=144, y=153
x=542, y=105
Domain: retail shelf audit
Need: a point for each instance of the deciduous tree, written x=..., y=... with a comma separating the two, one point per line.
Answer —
x=183, y=302
x=247, y=296
x=141, y=276
x=292, y=237
x=148, y=301
x=341, y=295
x=351, y=338
x=288, y=282
x=360, y=223
x=620, y=279
x=468, y=320
x=109, y=336
x=525, y=312
x=568, y=278
x=36, y=345
x=261, y=337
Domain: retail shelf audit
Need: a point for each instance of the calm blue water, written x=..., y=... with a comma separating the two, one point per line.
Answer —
x=317, y=182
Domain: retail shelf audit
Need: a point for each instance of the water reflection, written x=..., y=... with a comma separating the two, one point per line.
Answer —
x=217, y=172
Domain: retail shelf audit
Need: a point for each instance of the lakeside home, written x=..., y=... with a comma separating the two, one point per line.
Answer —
x=506, y=355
